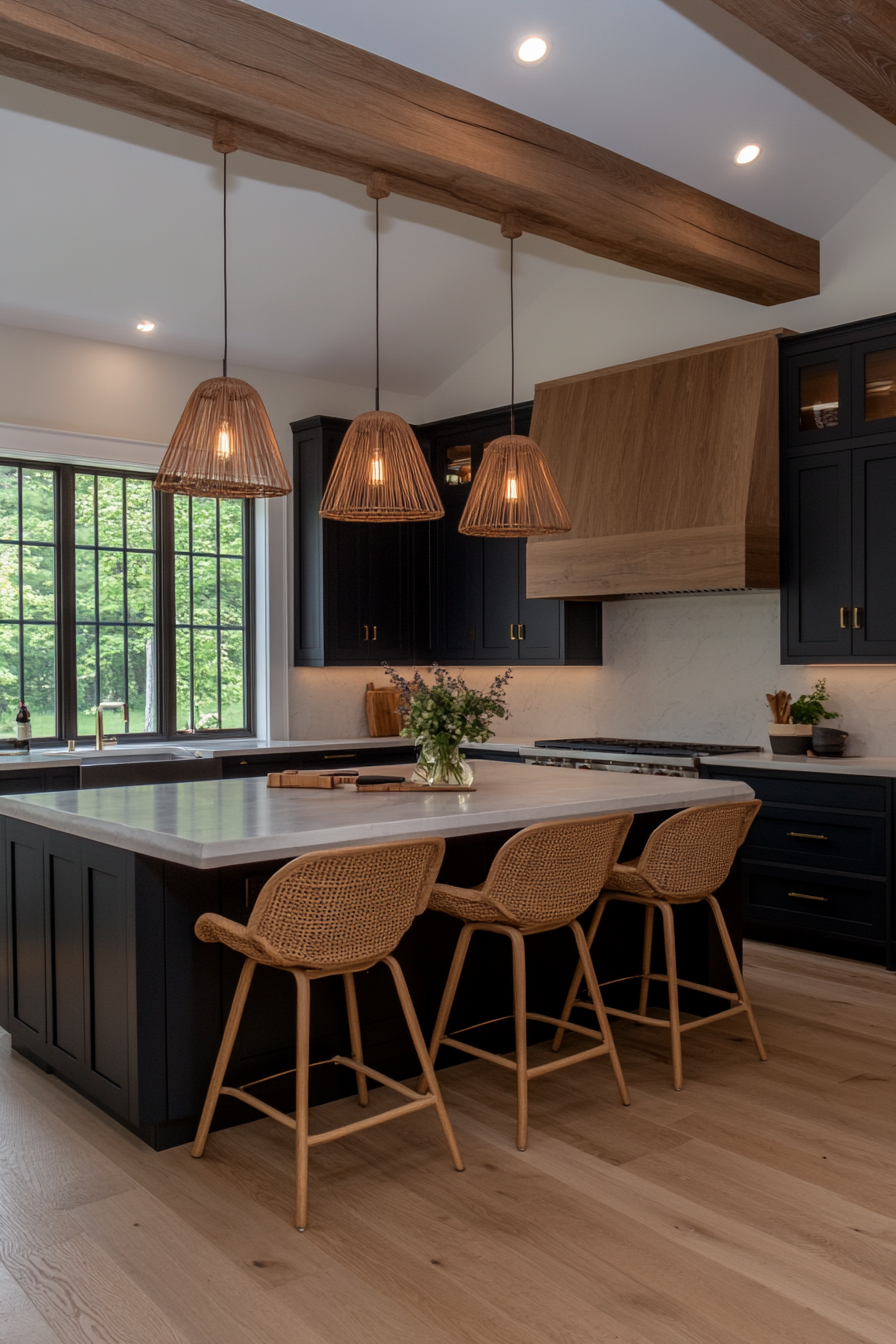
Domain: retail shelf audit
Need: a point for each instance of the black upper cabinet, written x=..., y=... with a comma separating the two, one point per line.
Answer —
x=355, y=582
x=481, y=611
x=367, y=593
x=838, y=431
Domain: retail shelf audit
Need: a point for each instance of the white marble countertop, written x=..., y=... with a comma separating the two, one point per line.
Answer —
x=213, y=823
x=881, y=766
x=187, y=748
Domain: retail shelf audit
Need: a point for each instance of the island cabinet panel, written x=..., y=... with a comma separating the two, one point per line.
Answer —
x=817, y=868
x=838, y=439
x=39, y=779
x=69, y=906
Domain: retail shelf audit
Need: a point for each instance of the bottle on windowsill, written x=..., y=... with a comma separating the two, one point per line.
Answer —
x=23, y=727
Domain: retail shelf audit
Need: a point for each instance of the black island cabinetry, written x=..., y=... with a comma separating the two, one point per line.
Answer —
x=419, y=592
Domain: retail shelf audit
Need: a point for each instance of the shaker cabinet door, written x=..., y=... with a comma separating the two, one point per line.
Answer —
x=541, y=620
x=874, y=553
x=498, y=639
x=817, y=559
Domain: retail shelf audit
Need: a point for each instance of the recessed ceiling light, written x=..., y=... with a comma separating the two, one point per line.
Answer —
x=531, y=50
x=146, y=326
x=748, y=154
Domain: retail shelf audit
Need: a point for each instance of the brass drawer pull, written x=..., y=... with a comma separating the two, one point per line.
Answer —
x=366, y=634
x=858, y=614
x=521, y=632
x=801, y=895
x=512, y=635
x=341, y=756
x=374, y=632
x=805, y=835
x=844, y=618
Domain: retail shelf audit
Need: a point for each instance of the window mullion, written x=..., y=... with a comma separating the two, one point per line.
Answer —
x=66, y=656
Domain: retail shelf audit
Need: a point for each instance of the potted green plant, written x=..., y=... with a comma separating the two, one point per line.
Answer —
x=441, y=716
x=797, y=734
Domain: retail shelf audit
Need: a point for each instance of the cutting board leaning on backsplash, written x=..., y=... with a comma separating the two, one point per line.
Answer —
x=669, y=469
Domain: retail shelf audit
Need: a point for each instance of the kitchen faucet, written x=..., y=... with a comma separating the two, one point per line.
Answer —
x=102, y=741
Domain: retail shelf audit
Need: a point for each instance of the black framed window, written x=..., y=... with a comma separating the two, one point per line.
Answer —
x=111, y=591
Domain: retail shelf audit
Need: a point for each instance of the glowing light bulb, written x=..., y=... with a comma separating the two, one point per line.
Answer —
x=377, y=474
x=748, y=154
x=224, y=439
x=531, y=50
x=512, y=493
x=146, y=326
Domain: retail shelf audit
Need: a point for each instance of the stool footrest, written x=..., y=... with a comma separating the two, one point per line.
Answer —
x=601, y=1049
x=419, y=1104
x=664, y=979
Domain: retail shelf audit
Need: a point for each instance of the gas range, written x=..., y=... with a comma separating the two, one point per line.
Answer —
x=629, y=755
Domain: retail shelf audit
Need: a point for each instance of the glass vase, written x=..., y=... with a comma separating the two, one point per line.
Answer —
x=441, y=763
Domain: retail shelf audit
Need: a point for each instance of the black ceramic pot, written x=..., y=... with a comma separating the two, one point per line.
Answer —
x=828, y=741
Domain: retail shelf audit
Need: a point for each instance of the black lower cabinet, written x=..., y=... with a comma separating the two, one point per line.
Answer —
x=39, y=780
x=817, y=868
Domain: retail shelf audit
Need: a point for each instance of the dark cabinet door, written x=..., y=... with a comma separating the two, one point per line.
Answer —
x=817, y=559
x=387, y=613
x=458, y=582
x=540, y=620
x=345, y=596
x=498, y=639
x=873, y=386
x=816, y=396
x=873, y=615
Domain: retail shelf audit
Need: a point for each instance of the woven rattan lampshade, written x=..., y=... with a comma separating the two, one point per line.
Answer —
x=380, y=475
x=224, y=446
x=513, y=493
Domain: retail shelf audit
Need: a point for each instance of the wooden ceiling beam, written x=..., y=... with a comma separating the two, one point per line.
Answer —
x=293, y=94
x=850, y=42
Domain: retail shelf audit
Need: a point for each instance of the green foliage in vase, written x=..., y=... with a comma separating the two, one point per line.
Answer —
x=810, y=708
x=448, y=709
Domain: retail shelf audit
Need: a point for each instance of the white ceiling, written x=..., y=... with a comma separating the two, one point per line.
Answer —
x=107, y=219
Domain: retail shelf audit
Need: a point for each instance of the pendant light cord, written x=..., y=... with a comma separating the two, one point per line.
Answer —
x=225, y=265
x=377, y=303
x=512, y=350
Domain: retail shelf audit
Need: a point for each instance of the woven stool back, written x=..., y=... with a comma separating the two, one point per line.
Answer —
x=551, y=872
x=693, y=851
x=339, y=906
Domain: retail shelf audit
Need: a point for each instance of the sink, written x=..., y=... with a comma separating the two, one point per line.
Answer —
x=116, y=767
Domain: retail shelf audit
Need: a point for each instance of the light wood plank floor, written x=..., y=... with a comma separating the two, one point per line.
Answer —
x=756, y=1205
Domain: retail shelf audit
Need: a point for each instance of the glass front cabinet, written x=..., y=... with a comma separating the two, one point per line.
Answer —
x=838, y=450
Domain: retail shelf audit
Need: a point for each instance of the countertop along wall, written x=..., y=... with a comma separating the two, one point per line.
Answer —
x=681, y=668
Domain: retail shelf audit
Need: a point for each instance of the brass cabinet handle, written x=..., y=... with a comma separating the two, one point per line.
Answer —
x=374, y=632
x=341, y=756
x=844, y=618
x=366, y=633
x=858, y=614
x=806, y=835
x=521, y=632
x=512, y=635
x=803, y=897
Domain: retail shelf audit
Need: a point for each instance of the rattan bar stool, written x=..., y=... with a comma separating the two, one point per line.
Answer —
x=685, y=860
x=332, y=912
x=542, y=879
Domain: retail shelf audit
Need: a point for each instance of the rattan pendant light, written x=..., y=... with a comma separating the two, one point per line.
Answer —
x=513, y=492
x=380, y=474
x=224, y=446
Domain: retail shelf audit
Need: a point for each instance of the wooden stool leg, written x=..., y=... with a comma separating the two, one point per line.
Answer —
x=233, y=1025
x=736, y=973
x=579, y=971
x=672, y=973
x=600, y=1010
x=354, y=1031
x=457, y=965
x=645, y=959
x=303, y=1059
x=429, y=1073
x=518, y=947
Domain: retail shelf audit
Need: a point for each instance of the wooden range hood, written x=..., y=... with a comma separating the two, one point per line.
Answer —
x=669, y=468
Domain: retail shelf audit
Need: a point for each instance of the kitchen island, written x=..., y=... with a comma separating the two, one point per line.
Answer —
x=105, y=984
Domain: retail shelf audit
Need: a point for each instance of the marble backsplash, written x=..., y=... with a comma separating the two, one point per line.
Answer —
x=682, y=668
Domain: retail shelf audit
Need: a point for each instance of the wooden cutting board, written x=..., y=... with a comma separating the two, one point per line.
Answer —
x=383, y=718
x=296, y=779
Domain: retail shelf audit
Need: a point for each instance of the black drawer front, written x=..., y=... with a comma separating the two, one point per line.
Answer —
x=251, y=767
x=819, y=840
x=797, y=899
x=817, y=792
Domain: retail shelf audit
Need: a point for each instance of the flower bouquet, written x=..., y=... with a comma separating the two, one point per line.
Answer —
x=441, y=715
